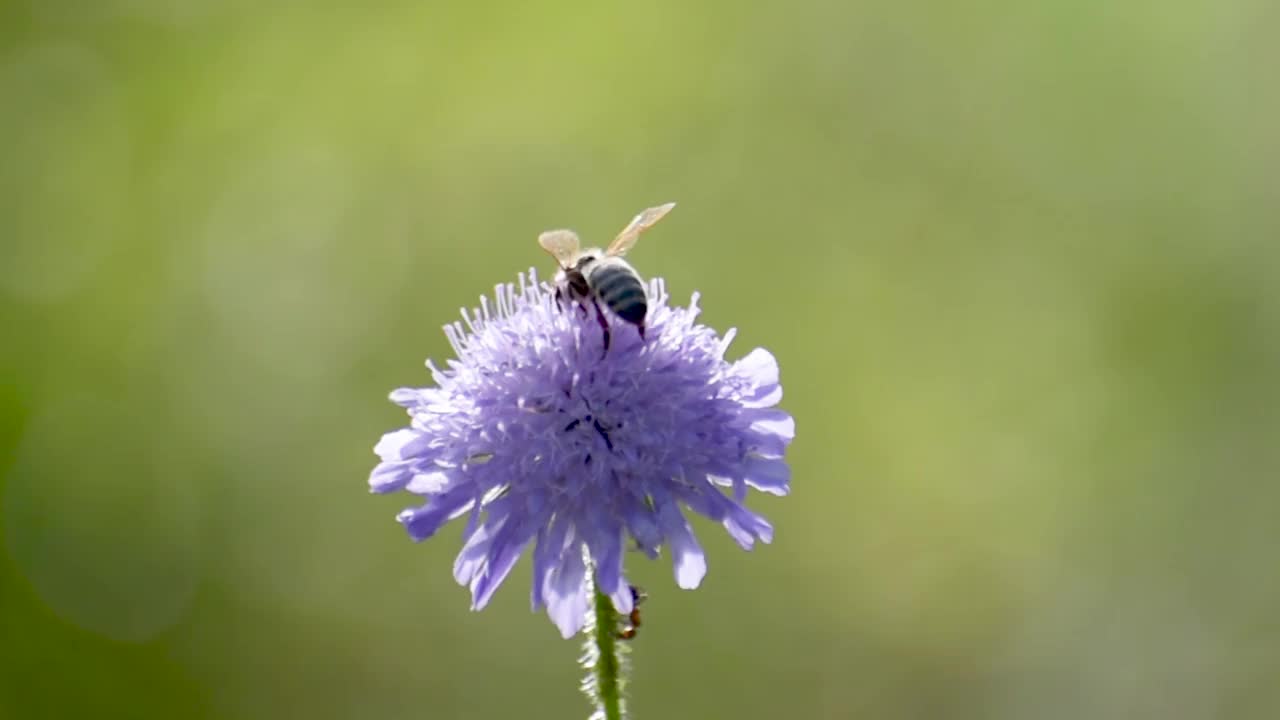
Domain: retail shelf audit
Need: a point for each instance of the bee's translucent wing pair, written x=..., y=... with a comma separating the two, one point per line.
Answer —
x=645, y=220
x=563, y=244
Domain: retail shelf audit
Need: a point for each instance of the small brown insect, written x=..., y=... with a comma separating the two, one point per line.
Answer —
x=628, y=631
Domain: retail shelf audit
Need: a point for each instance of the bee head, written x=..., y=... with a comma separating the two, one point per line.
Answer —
x=586, y=258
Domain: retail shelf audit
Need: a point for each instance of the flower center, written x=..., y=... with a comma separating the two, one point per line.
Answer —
x=594, y=422
x=589, y=431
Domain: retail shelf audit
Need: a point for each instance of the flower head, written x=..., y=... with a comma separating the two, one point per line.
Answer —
x=538, y=436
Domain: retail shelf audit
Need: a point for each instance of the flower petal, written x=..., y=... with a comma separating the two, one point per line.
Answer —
x=423, y=522
x=606, y=554
x=429, y=483
x=566, y=592
x=390, y=476
x=388, y=448
x=771, y=475
x=418, y=397
x=745, y=526
x=474, y=551
x=546, y=558
x=775, y=422
x=643, y=526
x=760, y=366
x=687, y=559
x=763, y=396
x=508, y=544
x=766, y=444
x=623, y=600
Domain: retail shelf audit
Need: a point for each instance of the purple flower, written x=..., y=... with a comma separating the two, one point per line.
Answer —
x=536, y=435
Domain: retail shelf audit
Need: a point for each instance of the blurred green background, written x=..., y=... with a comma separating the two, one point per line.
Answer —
x=1018, y=263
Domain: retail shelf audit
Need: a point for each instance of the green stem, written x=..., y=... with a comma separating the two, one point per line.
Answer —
x=604, y=658
x=607, y=667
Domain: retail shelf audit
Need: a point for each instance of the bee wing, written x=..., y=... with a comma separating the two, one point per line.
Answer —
x=562, y=244
x=645, y=220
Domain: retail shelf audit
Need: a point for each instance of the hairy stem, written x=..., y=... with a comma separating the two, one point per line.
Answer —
x=604, y=658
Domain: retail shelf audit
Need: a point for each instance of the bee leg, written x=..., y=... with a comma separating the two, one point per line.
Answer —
x=604, y=325
x=640, y=328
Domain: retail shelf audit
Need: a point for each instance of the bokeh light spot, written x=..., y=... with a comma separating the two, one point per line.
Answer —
x=277, y=259
x=103, y=526
x=64, y=181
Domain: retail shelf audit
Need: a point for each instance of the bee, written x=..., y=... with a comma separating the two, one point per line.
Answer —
x=602, y=275
x=628, y=631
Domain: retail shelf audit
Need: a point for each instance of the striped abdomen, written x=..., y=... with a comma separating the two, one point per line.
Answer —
x=615, y=283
